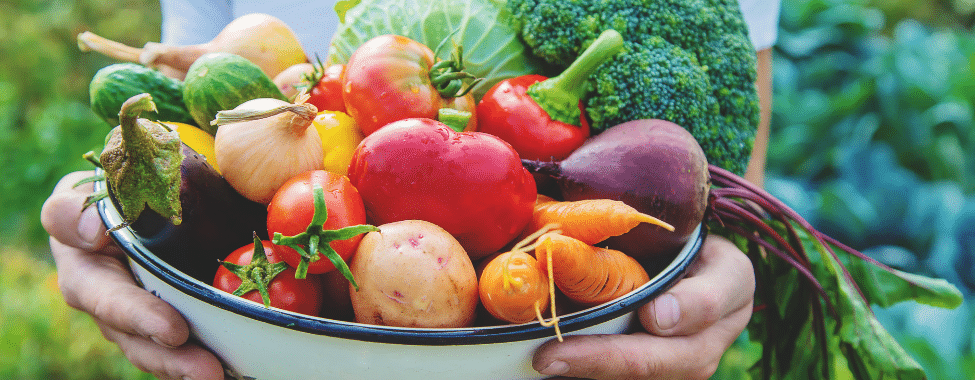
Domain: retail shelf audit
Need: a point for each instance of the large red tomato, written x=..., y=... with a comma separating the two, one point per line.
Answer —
x=391, y=78
x=471, y=184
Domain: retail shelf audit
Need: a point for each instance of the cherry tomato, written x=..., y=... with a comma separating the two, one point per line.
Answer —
x=471, y=184
x=508, y=112
x=391, y=78
x=326, y=94
x=293, y=206
x=284, y=290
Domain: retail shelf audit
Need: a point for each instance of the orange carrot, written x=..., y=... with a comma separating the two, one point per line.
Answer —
x=586, y=274
x=590, y=221
x=514, y=288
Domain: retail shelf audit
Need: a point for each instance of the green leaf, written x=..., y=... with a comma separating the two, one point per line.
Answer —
x=871, y=351
x=884, y=288
x=343, y=6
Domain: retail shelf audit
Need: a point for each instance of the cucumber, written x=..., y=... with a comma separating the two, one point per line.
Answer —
x=114, y=84
x=222, y=81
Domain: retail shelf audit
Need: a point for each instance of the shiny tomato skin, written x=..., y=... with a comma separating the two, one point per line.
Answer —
x=508, y=112
x=326, y=95
x=286, y=292
x=388, y=79
x=471, y=184
x=292, y=207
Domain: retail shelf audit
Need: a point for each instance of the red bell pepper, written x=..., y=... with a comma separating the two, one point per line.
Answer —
x=543, y=118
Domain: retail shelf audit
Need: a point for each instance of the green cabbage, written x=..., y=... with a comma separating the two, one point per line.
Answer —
x=492, y=49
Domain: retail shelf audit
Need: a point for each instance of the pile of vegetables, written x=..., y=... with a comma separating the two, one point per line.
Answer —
x=453, y=154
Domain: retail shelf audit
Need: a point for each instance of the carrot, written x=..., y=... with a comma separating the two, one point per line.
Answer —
x=512, y=285
x=591, y=220
x=514, y=288
x=586, y=274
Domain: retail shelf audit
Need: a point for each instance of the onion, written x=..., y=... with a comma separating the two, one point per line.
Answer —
x=264, y=142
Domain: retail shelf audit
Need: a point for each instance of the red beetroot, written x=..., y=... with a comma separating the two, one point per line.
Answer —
x=654, y=166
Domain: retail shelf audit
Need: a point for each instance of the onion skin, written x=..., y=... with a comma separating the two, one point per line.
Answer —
x=260, y=38
x=257, y=156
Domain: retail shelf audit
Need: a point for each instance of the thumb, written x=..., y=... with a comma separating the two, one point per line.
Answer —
x=66, y=218
x=634, y=356
x=721, y=283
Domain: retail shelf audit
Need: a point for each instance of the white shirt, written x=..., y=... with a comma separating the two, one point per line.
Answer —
x=762, y=17
x=189, y=22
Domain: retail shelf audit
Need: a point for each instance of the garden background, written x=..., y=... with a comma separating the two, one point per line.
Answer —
x=874, y=116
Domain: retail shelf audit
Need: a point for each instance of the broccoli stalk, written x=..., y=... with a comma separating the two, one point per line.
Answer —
x=560, y=96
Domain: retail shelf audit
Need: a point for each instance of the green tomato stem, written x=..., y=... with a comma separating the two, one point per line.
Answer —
x=256, y=275
x=448, y=76
x=317, y=239
x=559, y=96
x=454, y=118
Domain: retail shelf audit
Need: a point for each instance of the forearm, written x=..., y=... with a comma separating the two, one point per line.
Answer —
x=756, y=166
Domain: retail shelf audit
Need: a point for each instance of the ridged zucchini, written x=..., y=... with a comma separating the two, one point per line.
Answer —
x=222, y=81
x=114, y=84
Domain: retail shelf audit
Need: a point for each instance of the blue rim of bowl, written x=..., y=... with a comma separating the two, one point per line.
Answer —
x=397, y=335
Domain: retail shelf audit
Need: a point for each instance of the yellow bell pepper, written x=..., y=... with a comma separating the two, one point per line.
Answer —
x=340, y=136
x=198, y=140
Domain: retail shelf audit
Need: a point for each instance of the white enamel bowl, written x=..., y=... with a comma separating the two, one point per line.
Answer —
x=259, y=343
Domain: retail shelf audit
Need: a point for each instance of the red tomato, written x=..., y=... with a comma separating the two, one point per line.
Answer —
x=471, y=184
x=292, y=207
x=326, y=95
x=286, y=292
x=389, y=78
x=508, y=112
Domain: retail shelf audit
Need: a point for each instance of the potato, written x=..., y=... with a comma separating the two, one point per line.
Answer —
x=413, y=274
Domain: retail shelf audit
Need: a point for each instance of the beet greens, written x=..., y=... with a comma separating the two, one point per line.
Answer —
x=812, y=316
x=807, y=301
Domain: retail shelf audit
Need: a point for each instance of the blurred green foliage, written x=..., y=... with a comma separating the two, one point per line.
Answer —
x=45, y=126
x=41, y=337
x=873, y=114
x=872, y=133
x=45, y=121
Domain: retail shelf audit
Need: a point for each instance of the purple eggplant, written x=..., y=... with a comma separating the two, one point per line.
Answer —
x=176, y=203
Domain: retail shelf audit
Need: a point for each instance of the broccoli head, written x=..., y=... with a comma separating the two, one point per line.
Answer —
x=687, y=61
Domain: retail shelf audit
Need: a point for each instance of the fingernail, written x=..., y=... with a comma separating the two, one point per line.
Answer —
x=90, y=225
x=556, y=368
x=667, y=311
x=187, y=378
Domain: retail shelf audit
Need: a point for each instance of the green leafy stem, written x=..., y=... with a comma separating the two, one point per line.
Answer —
x=258, y=274
x=765, y=227
x=316, y=239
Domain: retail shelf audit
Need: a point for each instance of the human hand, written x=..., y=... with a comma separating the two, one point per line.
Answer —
x=690, y=326
x=94, y=277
